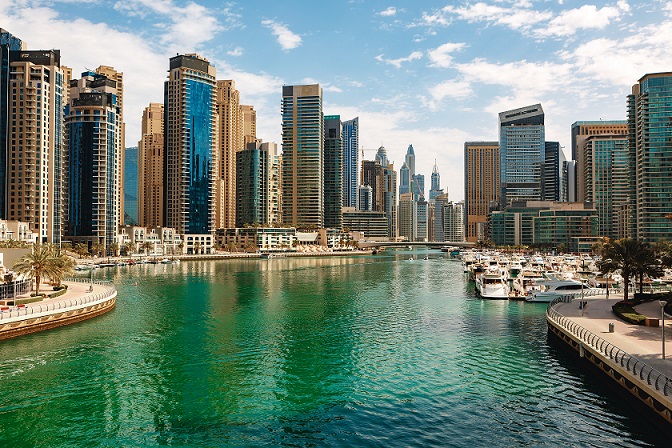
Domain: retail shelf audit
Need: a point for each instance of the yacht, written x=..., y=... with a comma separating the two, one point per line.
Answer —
x=554, y=286
x=491, y=284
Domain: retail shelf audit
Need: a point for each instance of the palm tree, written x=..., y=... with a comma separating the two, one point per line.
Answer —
x=40, y=262
x=65, y=266
x=97, y=249
x=114, y=248
x=146, y=246
x=80, y=249
x=627, y=255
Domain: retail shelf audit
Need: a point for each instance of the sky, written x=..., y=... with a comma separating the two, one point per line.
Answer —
x=433, y=74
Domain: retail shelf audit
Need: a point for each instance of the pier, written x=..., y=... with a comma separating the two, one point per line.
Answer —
x=630, y=355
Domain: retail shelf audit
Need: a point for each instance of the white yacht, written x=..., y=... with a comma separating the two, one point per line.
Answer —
x=554, y=286
x=491, y=284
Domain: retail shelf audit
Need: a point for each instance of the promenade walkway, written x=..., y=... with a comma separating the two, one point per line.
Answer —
x=644, y=343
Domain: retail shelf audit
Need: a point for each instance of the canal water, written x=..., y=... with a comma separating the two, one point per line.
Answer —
x=341, y=351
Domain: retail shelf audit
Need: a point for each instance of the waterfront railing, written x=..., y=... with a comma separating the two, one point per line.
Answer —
x=65, y=304
x=636, y=367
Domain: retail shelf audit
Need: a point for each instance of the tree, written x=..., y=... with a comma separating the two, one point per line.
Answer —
x=197, y=247
x=65, y=266
x=81, y=249
x=627, y=255
x=146, y=246
x=128, y=248
x=97, y=249
x=37, y=264
x=114, y=249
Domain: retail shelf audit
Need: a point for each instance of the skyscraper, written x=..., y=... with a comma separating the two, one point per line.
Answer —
x=404, y=179
x=302, y=156
x=435, y=189
x=650, y=146
x=607, y=180
x=131, y=186
x=521, y=154
x=350, y=169
x=249, y=124
x=383, y=183
x=553, y=159
x=94, y=160
x=580, y=131
x=333, y=172
x=481, y=187
x=257, y=183
x=8, y=43
x=191, y=156
x=34, y=151
x=151, y=161
x=408, y=212
x=231, y=140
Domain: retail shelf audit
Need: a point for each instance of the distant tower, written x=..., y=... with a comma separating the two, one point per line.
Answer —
x=131, y=186
x=257, y=183
x=410, y=160
x=435, y=190
x=249, y=124
x=481, y=187
x=151, y=157
x=350, y=169
x=381, y=156
x=192, y=159
x=404, y=179
x=333, y=172
x=302, y=156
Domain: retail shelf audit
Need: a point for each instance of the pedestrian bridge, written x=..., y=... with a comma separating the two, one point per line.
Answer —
x=433, y=245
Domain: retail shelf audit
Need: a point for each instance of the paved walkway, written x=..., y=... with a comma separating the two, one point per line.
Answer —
x=642, y=342
x=75, y=290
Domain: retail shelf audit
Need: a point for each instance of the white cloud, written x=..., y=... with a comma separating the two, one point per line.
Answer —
x=441, y=56
x=447, y=89
x=390, y=11
x=286, y=38
x=585, y=17
x=238, y=51
x=397, y=62
x=190, y=26
x=517, y=17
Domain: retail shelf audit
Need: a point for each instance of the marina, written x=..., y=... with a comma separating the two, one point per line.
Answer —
x=344, y=351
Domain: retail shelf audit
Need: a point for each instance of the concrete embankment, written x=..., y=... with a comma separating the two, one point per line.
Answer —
x=82, y=301
x=630, y=355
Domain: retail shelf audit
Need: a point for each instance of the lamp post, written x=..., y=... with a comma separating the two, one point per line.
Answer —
x=662, y=326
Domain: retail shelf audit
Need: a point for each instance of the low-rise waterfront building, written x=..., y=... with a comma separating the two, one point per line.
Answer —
x=371, y=223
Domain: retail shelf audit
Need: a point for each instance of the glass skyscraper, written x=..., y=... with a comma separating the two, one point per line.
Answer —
x=191, y=172
x=521, y=154
x=333, y=172
x=650, y=147
x=131, y=186
x=350, y=169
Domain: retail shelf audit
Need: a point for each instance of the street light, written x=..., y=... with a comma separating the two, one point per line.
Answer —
x=662, y=326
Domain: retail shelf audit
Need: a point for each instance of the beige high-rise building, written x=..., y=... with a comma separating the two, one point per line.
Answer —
x=150, y=167
x=36, y=146
x=230, y=142
x=249, y=124
x=481, y=186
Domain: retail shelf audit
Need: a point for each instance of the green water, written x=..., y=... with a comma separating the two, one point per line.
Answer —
x=352, y=351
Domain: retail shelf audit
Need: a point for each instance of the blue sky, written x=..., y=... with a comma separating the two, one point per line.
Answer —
x=429, y=73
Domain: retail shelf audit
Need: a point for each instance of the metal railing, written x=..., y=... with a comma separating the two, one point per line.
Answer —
x=12, y=289
x=65, y=304
x=637, y=367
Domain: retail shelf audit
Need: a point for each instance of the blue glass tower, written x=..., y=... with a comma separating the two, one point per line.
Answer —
x=131, y=186
x=404, y=179
x=435, y=189
x=189, y=98
x=8, y=43
x=350, y=170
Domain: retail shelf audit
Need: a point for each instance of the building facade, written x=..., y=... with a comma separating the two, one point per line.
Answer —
x=333, y=172
x=350, y=169
x=131, y=185
x=231, y=141
x=302, y=156
x=35, y=142
x=151, y=164
x=191, y=152
x=257, y=180
x=650, y=146
x=94, y=160
x=435, y=189
x=481, y=187
x=521, y=154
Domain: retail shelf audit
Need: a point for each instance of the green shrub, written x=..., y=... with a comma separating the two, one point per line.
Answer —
x=628, y=313
x=57, y=292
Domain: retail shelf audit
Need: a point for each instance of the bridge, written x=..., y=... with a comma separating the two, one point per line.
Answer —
x=432, y=244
